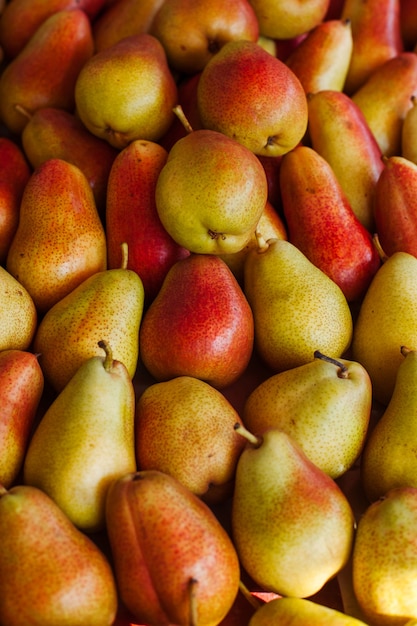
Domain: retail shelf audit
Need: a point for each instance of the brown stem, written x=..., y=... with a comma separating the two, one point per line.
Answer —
x=343, y=370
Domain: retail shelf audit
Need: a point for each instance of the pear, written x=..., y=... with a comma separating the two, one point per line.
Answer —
x=325, y=405
x=21, y=388
x=108, y=304
x=18, y=315
x=85, y=440
x=174, y=562
x=200, y=324
x=292, y=526
x=300, y=612
x=141, y=108
x=284, y=19
x=211, y=193
x=44, y=73
x=252, y=96
x=409, y=132
x=60, y=239
x=50, y=572
x=387, y=320
x=297, y=308
x=384, y=559
x=184, y=427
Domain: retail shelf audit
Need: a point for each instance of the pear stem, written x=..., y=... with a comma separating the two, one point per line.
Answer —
x=179, y=112
x=255, y=441
x=23, y=111
x=261, y=242
x=382, y=255
x=249, y=597
x=193, y=582
x=108, y=361
x=125, y=255
x=3, y=490
x=405, y=350
x=343, y=370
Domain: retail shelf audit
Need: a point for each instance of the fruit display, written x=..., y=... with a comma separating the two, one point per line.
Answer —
x=208, y=312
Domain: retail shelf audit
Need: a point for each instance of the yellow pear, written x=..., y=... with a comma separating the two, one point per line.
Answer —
x=18, y=315
x=85, y=440
x=409, y=132
x=300, y=612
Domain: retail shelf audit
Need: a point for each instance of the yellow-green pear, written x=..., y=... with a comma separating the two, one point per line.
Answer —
x=292, y=525
x=107, y=304
x=325, y=405
x=389, y=459
x=297, y=308
x=18, y=315
x=127, y=92
x=300, y=612
x=85, y=440
x=384, y=559
x=386, y=321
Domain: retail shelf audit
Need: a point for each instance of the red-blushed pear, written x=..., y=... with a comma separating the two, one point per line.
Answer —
x=21, y=388
x=376, y=37
x=385, y=99
x=60, y=239
x=409, y=132
x=131, y=216
x=338, y=131
x=50, y=572
x=252, y=96
x=395, y=206
x=200, y=324
x=174, y=562
x=322, y=224
x=285, y=19
x=44, y=73
x=55, y=133
x=321, y=60
x=141, y=108
x=15, y=172
x=193, y=31
x=18, y=314
x=211, y=193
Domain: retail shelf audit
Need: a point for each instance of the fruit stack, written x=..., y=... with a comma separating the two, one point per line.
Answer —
x=208, y=312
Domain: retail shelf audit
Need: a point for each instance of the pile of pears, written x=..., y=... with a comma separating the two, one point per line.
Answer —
x=208, y=312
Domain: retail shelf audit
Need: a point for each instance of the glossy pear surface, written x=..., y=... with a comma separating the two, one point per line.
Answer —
x=18, y=314
x=302, y=612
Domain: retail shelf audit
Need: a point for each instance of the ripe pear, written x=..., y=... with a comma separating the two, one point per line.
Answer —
x=60, y=239
x=384, y=559
x=141, y=107
x=50, y=572
x=292, y=525
x=325, y=405
x=300, y=612
x=21, y=388
x=386, y=321
x=200, y=324
x=252, y=96
x=211, y=193
x=44, y=73
x=184, y=427
x=297, y=308
x=107, y=304
x=174, y=562
x=409, y=132
x=85, y=440
x=18, y=315
x=284, y=19
x=193, y=31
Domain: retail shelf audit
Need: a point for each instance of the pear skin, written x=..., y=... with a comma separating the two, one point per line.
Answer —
x=21, y=388
x=60, y=239
x=85, y=440
x=409, y=132
x=288, y=19
x=384, y=559
x=200, y=324
x=300, y=611
x=292, y=526
x=44, y=73
x=297, y=308
x=173, y=560
x=18, y=314
x=50, y=572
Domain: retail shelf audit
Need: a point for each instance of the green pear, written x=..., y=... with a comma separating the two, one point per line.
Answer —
x=18, y=315
x=389, y=458
x=184, y=427
x=325, y=405
x=300, y=612
x=292, y=525
x=211, y=193
x=85, y=440
x=297, y=308
x=386, y=321
x=107, y=304
x=50, y=572
x=142, y=105
x=384, y=559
